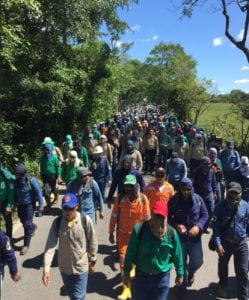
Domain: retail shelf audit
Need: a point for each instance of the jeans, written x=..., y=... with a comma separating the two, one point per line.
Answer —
x=148, y=287
x=76, y=285
x=25, y=214
x=240, y=252
x=192, y=258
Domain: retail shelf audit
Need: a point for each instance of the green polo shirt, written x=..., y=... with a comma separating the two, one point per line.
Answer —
x=151, y=255
x=7, y=188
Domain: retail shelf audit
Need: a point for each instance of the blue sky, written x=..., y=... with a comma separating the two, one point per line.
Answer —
x=201, y=36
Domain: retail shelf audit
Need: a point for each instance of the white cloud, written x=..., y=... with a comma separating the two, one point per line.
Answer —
x=242, y=81
x=135, y=28
x=151, y=39
x=117, y=44
x=243, y=68
x=240, y=35
x=218, y=42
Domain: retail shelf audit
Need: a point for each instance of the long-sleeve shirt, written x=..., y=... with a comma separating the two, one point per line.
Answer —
x=28, y=192
x=137, y=161
x=176, y=171
x=151, y=255
x=127, y=213
x=101, y=169
x=237, y=229
x=230, y=160
x=7, y=255
x=50, y=166
x=191, y=212
x=7, y=192
x=76, y=245
x=118, y=181
x=204, y=183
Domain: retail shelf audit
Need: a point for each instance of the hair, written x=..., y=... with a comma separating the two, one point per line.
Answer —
x=161, y=170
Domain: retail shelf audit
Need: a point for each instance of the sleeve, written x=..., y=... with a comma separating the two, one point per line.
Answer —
x=171, y=211
x=38, y=191
x=214, y=183
x=139, y=161
x=85, y=157
x=63, y=170
x=50, y=247
x=109, y=153
x=141, y=182
x=176, y=253
x=57, y=166
x=131, y=252
x=8, y=254
x=11, y=193
x=97, y=196
x=114, y=216
x=185, y=170
x=92, y=243
x=146, y=209
x=203, y=217
x=113, y=187
x=216, y=225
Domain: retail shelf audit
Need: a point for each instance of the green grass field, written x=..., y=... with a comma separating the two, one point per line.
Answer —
x=220, y=119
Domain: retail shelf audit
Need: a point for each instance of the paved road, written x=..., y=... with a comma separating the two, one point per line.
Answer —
x=105, y=283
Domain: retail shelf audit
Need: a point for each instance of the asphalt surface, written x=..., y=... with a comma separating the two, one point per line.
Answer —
x=105, y=283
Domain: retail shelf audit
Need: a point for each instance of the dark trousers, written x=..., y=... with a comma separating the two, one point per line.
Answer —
x=163, y=155
x=7, y=219
x=102, y=186
x=49, y=186
x=240, y=253
x=25, y=214
x=149, y=160
x=148, y=287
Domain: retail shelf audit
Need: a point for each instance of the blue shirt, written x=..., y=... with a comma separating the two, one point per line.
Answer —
x=204, y=183
x=230, y=160
x=7, y=255
x=28, y=192
x=191, y=212
x=176, y=171
x=238, y=227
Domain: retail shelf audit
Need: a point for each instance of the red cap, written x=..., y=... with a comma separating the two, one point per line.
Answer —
x=160, y=208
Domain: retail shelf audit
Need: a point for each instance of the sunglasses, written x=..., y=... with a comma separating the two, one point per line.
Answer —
x=67, y=208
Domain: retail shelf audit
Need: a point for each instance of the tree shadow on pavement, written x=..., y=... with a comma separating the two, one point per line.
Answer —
x=99, y=284
x=37, y=262
x=53, y=211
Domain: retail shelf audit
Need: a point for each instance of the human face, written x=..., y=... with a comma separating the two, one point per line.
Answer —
x=70, y=213
x=186, y=192
x=129, y=190
x=72, y=159
x=212, y=155
x=158, y=226
x=160, y=178
x=126, y=164
x=233, y=199
x=82, y=178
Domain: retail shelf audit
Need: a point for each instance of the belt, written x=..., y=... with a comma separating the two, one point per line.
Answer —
x=150, y=274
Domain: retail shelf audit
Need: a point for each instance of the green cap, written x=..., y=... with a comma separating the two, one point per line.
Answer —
x=130, y=179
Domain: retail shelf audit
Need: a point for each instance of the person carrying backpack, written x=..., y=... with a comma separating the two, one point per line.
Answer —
x=188, y=215
x=153, y=247
x=27, y=191
x=129, y=209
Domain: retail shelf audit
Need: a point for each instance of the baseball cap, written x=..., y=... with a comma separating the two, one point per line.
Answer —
x=20, y=169
x=234, y=187
x=160, y=208
x=130, y=179
x=69, y=200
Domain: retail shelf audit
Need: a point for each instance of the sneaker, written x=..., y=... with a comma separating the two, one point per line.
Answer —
x=33, y=232
x=24, y=250
x=191, y=279
x=222, y=291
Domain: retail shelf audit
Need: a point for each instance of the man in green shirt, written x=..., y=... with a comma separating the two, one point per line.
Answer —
x=154, y=247
x=7, y=198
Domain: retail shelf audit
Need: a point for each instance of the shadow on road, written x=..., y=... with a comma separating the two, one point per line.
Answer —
x=53, y=211
x=99, y=284
x=37, y=262
x=109, y=260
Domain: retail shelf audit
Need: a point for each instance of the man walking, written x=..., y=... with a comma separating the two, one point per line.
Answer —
x=77, y=248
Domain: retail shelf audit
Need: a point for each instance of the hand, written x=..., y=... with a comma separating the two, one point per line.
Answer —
x=178, y=280
x=194, y=231
x=92, y=267
x=41, y=209
x=220, y=250
x=126, y=281
x=215, y=197
x=181, y=229
x=111, y=238
x=59, y=180
x=16, y=277
x=110, y=182
x=101, y=215
x=8, y=210
x=46, y=278
x=109, y=205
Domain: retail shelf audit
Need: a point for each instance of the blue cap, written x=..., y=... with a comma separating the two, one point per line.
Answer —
x=69, y=200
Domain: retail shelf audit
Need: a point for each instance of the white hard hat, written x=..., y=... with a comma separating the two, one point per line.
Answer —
x=98, y=150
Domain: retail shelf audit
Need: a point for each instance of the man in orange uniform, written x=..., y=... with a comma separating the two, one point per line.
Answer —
x=129, y=209
x=159, y=189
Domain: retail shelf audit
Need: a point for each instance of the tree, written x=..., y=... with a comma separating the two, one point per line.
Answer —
x=189, y=5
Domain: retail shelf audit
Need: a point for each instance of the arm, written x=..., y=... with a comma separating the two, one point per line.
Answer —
x=85, y=157
x=184, y=170
x=114, y=216
x=11, y=194
x=139, y=161
x=141, y=182
x=38, y=191
x=176, y=253
x=97, y=197
x=203, y=216
x=92, y=242
x=113, y=187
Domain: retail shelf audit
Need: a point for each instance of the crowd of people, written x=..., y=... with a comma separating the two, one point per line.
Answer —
x=198, y=184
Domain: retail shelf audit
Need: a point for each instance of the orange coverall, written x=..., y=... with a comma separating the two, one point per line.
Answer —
x=159, y=193
x=125, y=214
